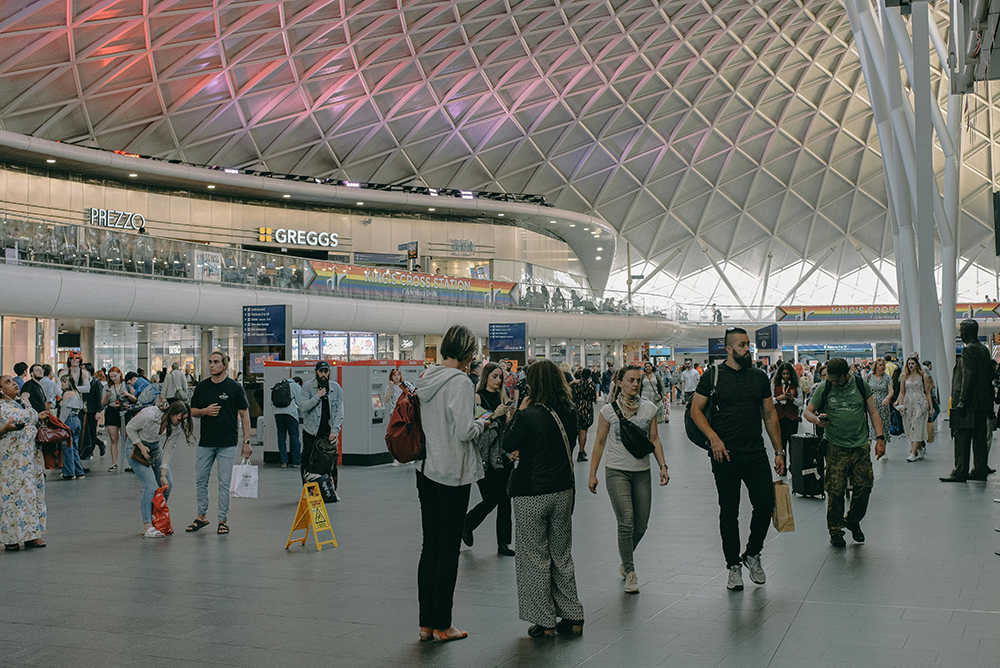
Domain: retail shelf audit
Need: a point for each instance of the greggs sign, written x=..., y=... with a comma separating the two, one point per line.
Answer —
x=298, y=237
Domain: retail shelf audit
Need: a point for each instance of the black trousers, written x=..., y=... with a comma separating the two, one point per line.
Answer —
x=976, y=439
x=493, y=487
x=442, y=517
x=89, y=441
x=788, y=428
x=754, y=470
x=308, y=441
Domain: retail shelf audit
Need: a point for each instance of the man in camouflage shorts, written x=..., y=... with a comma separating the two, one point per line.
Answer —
x=842, y=405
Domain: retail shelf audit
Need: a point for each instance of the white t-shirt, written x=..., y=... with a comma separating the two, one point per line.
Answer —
x=690, y=378
x=615, y=454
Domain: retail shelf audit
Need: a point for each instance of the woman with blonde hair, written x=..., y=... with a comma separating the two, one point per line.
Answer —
x=117, y=399
x=914, y=404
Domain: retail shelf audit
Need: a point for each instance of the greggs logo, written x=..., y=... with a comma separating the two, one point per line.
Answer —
x=298, y=237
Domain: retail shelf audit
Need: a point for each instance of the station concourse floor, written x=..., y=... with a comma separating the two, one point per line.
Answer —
x=924, y=590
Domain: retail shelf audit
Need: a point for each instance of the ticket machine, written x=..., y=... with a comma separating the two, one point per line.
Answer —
x=366, y=414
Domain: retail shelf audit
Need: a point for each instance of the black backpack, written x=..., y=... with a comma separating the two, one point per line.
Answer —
x=695, y=435
x=281, y=394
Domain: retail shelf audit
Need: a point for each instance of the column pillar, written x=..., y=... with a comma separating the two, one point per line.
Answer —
x=207, y=346
x=548, y=349
x=87, y=345
x=142, y=352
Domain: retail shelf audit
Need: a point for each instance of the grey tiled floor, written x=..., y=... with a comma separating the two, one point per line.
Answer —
x=925, y=590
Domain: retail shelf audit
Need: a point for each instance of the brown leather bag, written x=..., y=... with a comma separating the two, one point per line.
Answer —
x=52, y=430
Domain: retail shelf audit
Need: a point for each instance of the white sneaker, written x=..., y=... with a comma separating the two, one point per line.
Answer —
x=755, y=569
x=153, y=532
x=631, y=583
x=912, y=458
x=735, y=582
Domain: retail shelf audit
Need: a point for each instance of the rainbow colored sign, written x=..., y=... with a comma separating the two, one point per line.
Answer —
x=407, y=286
x=873, y=312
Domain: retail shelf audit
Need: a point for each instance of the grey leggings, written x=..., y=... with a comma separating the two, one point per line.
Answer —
x=631, y=493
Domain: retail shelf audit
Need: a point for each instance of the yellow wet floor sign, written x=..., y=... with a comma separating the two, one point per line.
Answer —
x=311, y=514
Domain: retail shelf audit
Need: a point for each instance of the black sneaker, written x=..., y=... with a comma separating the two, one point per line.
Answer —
x=837, y=540
x=856, y=532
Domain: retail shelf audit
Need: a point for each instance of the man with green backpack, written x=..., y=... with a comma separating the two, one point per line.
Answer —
x=842, y=406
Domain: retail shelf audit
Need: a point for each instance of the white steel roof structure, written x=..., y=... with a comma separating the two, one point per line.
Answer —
x=711, y=134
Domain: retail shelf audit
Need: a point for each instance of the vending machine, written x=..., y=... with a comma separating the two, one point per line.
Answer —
x=366, y=410
x=274, y=372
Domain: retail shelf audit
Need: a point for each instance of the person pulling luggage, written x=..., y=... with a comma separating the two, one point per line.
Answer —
x=839, y=405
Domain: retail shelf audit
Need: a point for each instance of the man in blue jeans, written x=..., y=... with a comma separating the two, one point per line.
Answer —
x=218, y=401
x=286, y=420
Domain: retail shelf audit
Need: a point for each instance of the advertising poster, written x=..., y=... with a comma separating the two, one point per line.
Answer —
x=207, y=266
x=406, y=286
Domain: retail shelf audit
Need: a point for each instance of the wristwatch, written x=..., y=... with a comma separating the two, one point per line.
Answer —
x=879, y=437
x=779, y=453
x=247, y=440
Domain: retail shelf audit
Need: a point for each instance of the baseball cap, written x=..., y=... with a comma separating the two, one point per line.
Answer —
x=322, y=364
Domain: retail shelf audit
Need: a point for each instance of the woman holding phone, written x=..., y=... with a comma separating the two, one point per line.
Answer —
x=22, y=471
x=491, y=397
x=116, y=398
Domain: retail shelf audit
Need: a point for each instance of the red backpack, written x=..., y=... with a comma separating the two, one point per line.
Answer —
x=405, y=435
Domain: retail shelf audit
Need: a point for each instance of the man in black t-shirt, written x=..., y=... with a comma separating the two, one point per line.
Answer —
x=32, y=390
x=219, y=401
x=742, y=401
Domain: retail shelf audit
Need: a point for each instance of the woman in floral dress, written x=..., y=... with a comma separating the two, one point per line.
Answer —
x=882, y=393
x=22, y=472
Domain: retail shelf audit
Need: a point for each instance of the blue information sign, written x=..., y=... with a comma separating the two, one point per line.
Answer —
x=717, y=347
x=508, y=336
x=768, y=338
x=264, y=325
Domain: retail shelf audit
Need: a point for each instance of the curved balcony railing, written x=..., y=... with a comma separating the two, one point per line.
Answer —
x=33, y=241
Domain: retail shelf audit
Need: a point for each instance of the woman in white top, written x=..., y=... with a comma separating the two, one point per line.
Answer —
x=152, y=431
x=628, y=479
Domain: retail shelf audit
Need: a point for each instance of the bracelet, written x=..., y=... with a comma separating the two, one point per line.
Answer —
x=663, y=466
x=879, y=437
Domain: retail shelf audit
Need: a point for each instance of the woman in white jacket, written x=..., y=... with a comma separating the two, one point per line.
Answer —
x=445, y=477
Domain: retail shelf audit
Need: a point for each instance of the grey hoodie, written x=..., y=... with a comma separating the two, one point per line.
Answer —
x=447, y=413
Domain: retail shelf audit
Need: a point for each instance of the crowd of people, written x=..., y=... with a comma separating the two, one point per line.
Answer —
x=512, y=431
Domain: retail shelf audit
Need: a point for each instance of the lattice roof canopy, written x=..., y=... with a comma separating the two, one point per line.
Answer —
x=741, y=126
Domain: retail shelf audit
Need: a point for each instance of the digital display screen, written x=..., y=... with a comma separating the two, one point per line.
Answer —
x=257, y=361
x=376, y=400
x=363, y=345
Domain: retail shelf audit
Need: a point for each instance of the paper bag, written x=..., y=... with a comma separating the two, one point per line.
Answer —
x=930, y=432
x=782, y=517
x=244, y=481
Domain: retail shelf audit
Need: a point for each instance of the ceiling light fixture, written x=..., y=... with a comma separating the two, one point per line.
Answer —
x=132, y=176
x=552, y=222
x=51, y=161
x=600, y=248
x=586, y=229
x=432, y=209
x=598, y=257
x=287, y=196
x=361, y=203
x=572, y=224
x=500, y=215
x=211, y=187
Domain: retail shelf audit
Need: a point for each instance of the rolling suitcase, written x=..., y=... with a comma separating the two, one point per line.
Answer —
x=806, y=465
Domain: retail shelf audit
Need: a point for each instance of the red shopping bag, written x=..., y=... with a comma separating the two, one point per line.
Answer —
x=161, y=514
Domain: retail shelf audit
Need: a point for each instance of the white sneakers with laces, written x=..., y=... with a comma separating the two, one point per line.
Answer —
x=735, y=582
x=755, y=569
x=631, y=583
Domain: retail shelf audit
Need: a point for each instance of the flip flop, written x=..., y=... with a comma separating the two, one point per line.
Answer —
x=197, y=524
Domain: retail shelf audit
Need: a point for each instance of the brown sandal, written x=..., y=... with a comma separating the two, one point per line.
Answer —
x=223, y=528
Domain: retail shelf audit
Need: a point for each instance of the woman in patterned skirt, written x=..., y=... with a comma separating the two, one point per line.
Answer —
x=22, y=471
x=882, y=393
x=542, y=491
x=584, y=396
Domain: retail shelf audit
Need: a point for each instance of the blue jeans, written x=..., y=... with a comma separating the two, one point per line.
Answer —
x=71, y=453
x=151, y=481
x=203, y=470
x=286, y=424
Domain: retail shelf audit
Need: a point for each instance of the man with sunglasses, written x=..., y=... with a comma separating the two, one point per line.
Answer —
x=742, y=400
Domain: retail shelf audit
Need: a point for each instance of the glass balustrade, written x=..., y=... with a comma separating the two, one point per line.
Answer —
x=31, y=241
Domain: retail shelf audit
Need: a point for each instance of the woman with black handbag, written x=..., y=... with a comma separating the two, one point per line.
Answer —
x=22, y=471
x=627, y=427
x=542, y=490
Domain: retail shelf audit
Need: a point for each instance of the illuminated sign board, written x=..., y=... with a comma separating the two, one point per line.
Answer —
x=298, y=237
x=112, y=218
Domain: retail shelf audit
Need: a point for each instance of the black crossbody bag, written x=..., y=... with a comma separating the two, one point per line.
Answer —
x=635, y=441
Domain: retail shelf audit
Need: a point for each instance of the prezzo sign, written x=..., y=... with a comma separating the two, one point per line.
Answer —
x=298, y=237
x=112, y=218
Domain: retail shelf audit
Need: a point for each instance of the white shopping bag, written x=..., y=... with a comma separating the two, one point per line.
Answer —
x=244, y=481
